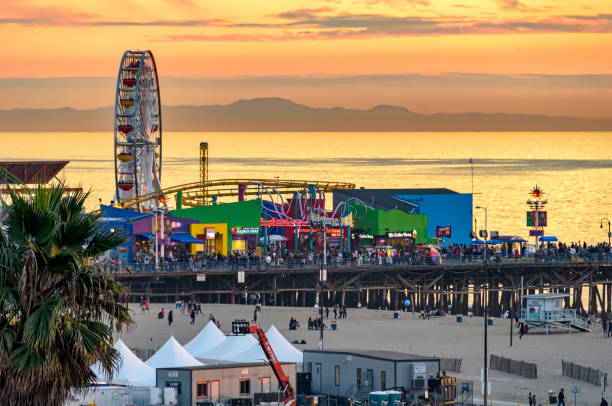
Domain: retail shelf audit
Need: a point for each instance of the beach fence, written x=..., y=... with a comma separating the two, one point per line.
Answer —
x=586, y=374
x=450, y=364
x=510, y=366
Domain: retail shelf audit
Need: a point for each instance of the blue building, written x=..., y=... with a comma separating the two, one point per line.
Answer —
x=122, y=221
x=443, y=207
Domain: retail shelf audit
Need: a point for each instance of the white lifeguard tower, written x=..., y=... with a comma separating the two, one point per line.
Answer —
x=545, y=312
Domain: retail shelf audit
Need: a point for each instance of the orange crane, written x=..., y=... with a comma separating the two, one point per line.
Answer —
x=242, y=327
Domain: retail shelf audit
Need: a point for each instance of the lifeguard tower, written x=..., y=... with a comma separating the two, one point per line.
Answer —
x=545, y=312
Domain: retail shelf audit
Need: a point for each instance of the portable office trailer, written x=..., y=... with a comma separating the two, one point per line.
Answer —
x=210, y=384
x=356, y=373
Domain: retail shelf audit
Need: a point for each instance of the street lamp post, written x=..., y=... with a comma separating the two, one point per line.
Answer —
x=601, y=224
x=485, y=304
x=322, y=277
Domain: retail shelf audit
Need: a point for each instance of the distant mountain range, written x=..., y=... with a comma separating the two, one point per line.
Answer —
x=275, y=114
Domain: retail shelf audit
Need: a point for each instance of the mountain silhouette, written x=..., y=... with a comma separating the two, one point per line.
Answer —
x=276, y=114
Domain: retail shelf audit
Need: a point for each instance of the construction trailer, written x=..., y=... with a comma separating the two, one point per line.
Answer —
x=228, y=383
x=354, y=374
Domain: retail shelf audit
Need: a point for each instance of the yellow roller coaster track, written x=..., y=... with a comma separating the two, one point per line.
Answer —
x=229, y=187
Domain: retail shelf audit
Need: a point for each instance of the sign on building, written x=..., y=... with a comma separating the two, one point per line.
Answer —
x=444, y=231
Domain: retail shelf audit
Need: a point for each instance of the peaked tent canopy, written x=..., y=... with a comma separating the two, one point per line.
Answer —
x=205, y=340
x=131, y=368
x=172, y=355
x=284, y=350
x=231, y=346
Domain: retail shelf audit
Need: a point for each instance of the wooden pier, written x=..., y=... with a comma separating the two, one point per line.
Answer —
x=454, y=287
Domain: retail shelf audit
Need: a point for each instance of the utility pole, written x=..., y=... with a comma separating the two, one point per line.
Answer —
x=484, y=234
x=156, y=240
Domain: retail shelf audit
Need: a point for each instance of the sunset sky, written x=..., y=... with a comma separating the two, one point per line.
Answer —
x=552, y=57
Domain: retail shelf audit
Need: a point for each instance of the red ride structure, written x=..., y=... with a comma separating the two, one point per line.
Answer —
x=242, y=327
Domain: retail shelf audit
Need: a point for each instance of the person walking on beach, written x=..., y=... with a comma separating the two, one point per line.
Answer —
x=530, y=399
x=193, y=316
x=561, y=397
x=603, y=402
x=335, y=311
x=604, y=327
x=170, y=318
x=327, y=312
x=255, y=315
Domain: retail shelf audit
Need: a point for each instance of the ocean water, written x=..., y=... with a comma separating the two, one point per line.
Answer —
x=573, y=169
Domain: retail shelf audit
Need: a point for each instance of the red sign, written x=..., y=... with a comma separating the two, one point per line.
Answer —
x=443, y=231
x=283, y=223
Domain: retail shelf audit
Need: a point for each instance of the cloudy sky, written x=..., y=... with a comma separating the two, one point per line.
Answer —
x=552, y=57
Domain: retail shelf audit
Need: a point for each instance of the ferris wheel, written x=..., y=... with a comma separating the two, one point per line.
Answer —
x=138, y=130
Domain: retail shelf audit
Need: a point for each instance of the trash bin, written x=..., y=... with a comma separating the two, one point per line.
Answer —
x=490, y=322
x=334, y=325
x=459, y=319
x=396, y=315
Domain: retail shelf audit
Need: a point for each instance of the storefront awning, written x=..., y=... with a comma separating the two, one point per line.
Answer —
x=148, y=236
x=185, y=238
x=510, y=238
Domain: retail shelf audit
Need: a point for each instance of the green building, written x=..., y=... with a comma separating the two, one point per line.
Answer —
x=225, y=227
x=389, y=224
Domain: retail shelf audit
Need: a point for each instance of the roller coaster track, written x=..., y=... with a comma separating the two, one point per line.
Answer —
x=196, y=192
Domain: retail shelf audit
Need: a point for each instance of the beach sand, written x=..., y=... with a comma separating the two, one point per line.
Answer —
x=443, y=336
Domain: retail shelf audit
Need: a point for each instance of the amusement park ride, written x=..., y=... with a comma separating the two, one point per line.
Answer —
x=138, y=135
x=138, y=156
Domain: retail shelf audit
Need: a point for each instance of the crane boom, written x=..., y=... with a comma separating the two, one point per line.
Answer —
x=243, y=327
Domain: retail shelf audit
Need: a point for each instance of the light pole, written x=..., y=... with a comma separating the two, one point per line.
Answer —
x=484, y=234
x=601, y=224
x=322, y=277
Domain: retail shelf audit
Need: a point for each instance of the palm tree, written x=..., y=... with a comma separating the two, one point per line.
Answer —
x=55, y=304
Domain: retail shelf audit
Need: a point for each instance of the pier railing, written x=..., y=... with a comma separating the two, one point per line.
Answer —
x=336, y=262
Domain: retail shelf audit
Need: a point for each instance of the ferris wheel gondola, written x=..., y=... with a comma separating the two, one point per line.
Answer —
x=138, y=134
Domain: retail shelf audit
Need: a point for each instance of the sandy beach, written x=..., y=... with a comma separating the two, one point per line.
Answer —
x=377, y=329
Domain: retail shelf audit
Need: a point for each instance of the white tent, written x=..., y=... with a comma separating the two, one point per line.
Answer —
x=131, y=369
x=231, y=346
x=206, y=340
x=172, y=355
x=283, y=349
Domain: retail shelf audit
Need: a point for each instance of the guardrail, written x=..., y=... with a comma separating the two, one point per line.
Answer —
x=336, y=262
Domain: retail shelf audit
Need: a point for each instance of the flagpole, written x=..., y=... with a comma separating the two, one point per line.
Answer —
x=472, y=166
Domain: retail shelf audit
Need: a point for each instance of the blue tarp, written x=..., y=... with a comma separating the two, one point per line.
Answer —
x=549, y=238
x=185, y=238
x=494, y=242
x=479, y=241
